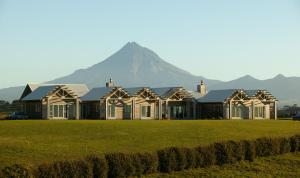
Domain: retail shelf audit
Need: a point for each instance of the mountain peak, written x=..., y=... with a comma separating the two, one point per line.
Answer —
x=132, y=45
x=247, y=77
x=279, y=76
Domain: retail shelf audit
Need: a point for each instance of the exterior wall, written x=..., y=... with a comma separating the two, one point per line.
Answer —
x=90, y=110
x=140, y=102
x=186, y=113
x=212, y=110
x=33, y=109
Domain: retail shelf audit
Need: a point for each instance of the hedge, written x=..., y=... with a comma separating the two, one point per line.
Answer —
x=125, y=165
x=115, y=165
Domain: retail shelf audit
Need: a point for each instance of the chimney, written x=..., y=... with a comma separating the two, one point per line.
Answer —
x=202, y=88
x=110, y=83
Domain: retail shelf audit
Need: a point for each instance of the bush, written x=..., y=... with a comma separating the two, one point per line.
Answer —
x=249, y=150
x=229, y=152
x=16, y=171
x=267, y=147
x=295, y=143
x=124, y=165
x=285, y=145
x=149, y=162
x=171, y=159
x=190, y=157
x=65, y=169
x=205, y=156
x=99, y=166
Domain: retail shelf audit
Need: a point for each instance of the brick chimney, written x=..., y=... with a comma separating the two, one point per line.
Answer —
x=202, y=88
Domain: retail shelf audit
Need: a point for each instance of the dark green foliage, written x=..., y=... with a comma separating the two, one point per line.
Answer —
x=229, y=152
x=124, y=165
x=120, y=165
x=149, y=162
x=285, y=145
x=65, y=169
x=235, y=150
x=16, y=171
x=205, y=156
x=171, y=159
x=267, y=147
x=190, y=157
x=99, y=166
x=249, y=150
x=295, y=143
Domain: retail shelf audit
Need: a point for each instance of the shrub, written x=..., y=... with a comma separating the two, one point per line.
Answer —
x=221, y=154
x=149, y=162
x=190, y=157
x=205, y=156
x=99, y=166
x=119, y=165
x=249, y=150
x=267, y=146
x=171, y=159
x=284, y=145
x=16, y=171
x=295, y=143
x=65, y=169
x=124, y=165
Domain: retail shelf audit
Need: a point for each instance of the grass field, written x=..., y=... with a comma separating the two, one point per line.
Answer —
x=41, y=141
x=278, y=166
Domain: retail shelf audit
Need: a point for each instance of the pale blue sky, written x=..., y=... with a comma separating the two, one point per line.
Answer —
x=220, y=39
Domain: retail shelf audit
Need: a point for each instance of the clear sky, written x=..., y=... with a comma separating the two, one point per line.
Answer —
x=220, y=39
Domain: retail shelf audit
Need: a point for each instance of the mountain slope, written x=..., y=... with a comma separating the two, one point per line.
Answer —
x=134, y=65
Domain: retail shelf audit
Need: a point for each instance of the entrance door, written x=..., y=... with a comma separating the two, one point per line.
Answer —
x=58, y=111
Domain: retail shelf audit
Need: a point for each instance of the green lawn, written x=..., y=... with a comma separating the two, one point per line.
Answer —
x=278, y=166
x=40, y=141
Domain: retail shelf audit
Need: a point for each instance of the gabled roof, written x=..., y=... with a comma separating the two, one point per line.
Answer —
x=217, y=96
x=40, y=93
x=134, y=90
x=45, y=89
x=164, y=91
x=97, y=93
x=253, y=93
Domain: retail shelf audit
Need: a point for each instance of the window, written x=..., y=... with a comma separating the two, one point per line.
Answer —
x=237, y=111
x=38, y=108
x=146, y=111
x=259, y=112
x=111, y=110
x=97, y=107
x=127, y=108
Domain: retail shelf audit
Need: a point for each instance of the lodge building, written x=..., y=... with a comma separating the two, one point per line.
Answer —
x=75, y=101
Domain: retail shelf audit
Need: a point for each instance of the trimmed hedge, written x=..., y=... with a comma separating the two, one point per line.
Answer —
x=65, y=169
x=295, y=143
x=249, y=150
x=16, y=171
x=166, y=160
x=99, y=166
x=205, y=156
x=124, y=165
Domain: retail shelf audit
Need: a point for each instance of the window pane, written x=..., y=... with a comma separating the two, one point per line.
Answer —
x=143, y=111
x=148, y=111
x=61, y=109
x=55, y=111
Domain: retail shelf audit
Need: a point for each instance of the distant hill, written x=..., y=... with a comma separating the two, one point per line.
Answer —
x=286, y=89
x=134, y=65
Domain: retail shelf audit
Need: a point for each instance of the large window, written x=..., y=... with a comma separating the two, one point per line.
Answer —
x=146, y=111
x=259, y=112
x=237, y=111
x=177, y=112
x=112, y=110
